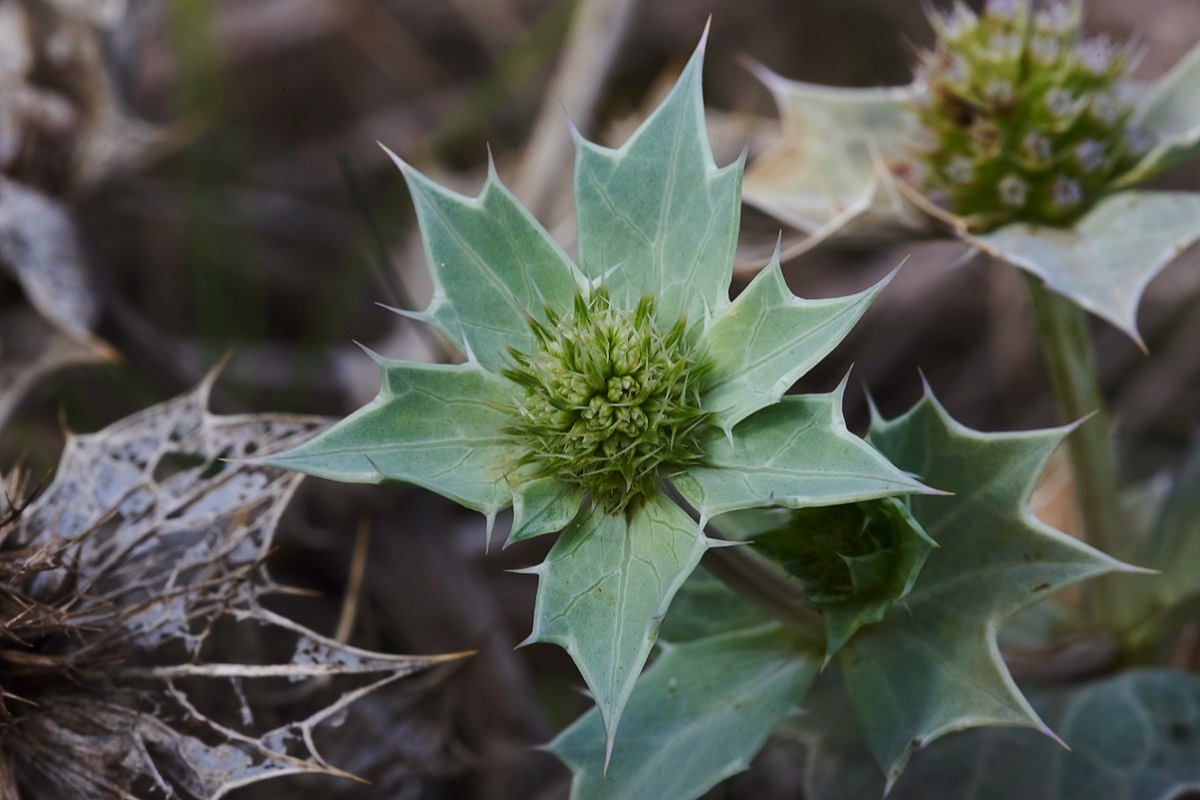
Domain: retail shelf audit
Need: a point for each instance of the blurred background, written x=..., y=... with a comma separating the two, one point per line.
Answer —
x=218, y=162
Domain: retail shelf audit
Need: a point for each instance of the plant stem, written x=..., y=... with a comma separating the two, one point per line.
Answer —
x=757, y=580
x=1071, y=365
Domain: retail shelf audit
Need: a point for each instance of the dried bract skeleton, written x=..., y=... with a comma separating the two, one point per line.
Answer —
x=132, y=632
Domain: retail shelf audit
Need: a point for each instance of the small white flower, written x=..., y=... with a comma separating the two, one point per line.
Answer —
x=1012, y=191
x=1060, y=102
x=1105, y=108
x=998, y=91
x=1090, y=154
x=956, y=23
x=1054, y=19
x=1007, y=45
x=1045, y=49
x=1097, y=54
x=1002, y=8
x=1066, y=192
x=957, y=70
x=1036, y=147
x=1138, y=140
x=960, y=169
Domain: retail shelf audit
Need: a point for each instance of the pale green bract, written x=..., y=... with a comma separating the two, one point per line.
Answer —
x=657, y=218
x=933, y=667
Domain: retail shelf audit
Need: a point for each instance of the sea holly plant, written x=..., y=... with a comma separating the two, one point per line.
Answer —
x=599, y=392
x=921, y=658
x=1022, y=137
x=1019, y=135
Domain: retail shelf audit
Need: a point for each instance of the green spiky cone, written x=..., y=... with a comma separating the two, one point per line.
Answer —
x=1018, y=117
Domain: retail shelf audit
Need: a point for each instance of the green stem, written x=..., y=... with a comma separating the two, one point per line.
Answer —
x=1071, y=365
x=757, y=580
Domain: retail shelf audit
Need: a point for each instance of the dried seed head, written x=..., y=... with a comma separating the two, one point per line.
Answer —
x=611, y=402
x=1038, y=117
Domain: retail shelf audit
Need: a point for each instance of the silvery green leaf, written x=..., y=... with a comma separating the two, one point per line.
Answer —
x=827, y=174
x=795, y=453
x=436, y=426
x=705, y=607
x=1173, y=546
x=543, y=505
x=932, y=665
x=767, y=338
x=1170, y=600
x=1170, y=112
x=603, y=591
x=675, y=241
x=492, y=266
x=1131, y=737
x=1104, y=262
x=697, y=716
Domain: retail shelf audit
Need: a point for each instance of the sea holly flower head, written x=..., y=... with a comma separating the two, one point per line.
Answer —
x=1017, y=117
x=611, y=404
x=855, y=559
x=590, y=383
x=1019, y=135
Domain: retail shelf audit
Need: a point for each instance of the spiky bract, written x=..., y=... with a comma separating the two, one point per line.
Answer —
x=612, y=404
x=1018, y=117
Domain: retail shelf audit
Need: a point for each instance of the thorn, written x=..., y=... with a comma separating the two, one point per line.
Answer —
x=608, y=749
x=840, y=391
x=1134, y=569
x=467, y=349
x=378, y=471
x=400, y=163
x=872, y=409
x=487, y=533
x=492, y=177
x=376, y=357
x=1044, y=728
x=419, y=316
x=925, y=387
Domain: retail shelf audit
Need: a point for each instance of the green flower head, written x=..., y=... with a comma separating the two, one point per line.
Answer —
x=1018, y=136
x=855, y=560
x=1019, y=117
x=611, y=403
x=590, y=383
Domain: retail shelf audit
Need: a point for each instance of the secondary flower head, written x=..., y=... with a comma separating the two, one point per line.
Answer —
x=855, y=559
x=589, y=383
x=1018, y=136
x=851, y=551
x=1018, y=117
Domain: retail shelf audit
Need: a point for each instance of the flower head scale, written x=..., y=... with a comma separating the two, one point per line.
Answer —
x=605, y=377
